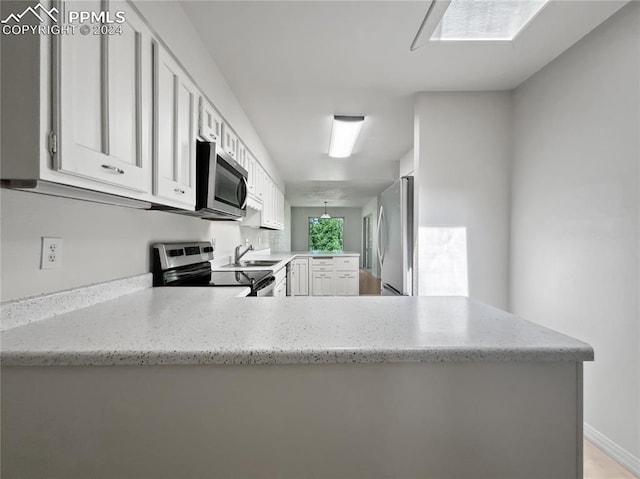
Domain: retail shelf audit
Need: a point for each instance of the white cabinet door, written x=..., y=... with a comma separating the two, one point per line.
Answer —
x=175, y=132
x=280, y=210
x=267, y=203
x=274, y=205
x=346, y=284
x=353, y=284
x=103, y=112
x=242, y=155
x=251, y=174
x=229, y=141
x=210, y=122
x=322, y=284
x=300, y=277
x=347, y=263
x=340, y=284
x=260, y=183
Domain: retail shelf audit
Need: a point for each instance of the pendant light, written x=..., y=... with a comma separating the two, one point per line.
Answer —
x=325, y=216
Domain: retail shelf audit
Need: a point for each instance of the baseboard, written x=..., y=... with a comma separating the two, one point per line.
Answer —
x=613, y=450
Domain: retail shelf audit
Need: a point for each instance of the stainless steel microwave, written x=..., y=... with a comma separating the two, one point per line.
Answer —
x=221, y=184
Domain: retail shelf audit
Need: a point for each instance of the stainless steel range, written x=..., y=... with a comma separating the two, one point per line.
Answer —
x=188, y=264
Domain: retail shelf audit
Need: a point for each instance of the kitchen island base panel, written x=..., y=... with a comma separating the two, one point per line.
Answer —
x=446, y=420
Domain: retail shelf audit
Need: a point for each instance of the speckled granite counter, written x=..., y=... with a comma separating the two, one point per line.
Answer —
x=191, y=326
x=281, y=258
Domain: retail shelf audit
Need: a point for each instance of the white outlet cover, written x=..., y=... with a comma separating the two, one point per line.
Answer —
x=51, y=254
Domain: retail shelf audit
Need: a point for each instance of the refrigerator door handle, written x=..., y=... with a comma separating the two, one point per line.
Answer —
x=380, y=253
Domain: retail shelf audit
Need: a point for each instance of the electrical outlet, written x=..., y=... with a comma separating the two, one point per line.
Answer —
x=51, y=256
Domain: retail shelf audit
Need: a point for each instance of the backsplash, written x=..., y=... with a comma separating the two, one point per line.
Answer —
x=259, y=238
x=280, y=240
x=101, y=242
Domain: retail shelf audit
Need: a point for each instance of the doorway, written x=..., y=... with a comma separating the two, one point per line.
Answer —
x=367, y=243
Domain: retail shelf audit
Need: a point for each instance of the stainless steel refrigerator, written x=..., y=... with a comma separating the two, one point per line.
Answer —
x=396, y=239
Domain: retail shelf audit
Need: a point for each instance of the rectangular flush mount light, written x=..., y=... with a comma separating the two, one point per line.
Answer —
x=344, y=134
x=486, y=19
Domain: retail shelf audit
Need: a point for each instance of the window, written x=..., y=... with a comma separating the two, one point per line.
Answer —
x=486, y=19
x=326, y=234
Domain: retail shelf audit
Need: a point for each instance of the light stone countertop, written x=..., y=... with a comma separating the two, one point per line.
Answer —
x=282, y=258
x=196, y=326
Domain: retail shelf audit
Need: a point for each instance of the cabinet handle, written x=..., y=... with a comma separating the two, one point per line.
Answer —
x=114, y=169
x=178, y=190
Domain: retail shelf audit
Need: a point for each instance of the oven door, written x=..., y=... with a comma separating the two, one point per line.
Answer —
x=265, y=288
x=221, y=184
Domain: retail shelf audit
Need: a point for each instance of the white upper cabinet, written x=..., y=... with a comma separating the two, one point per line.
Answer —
x=252, y=170
x=229, y=141
x=266, y=194
x=118, y=114
x=242, y=155
x=103, y=108
x=209, y=123
x=175, y=132
x=272, y=202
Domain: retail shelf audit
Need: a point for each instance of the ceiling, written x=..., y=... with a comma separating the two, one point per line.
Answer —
x=294, y=64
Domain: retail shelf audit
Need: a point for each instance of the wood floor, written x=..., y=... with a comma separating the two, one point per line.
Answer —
x=597, y=465
x=369, y=284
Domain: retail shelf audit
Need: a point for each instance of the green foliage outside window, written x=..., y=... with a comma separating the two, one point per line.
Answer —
x=326, y=234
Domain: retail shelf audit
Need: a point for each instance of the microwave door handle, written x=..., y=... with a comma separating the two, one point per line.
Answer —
x=242, y=198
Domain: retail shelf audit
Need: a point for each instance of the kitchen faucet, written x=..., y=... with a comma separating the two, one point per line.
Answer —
x=239, y=255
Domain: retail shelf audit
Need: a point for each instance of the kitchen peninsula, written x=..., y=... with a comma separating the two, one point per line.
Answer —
x=176, y=382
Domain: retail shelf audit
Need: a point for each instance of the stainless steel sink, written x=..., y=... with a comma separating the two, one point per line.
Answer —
x=260, y=263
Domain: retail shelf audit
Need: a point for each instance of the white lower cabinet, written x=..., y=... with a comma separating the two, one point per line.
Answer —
x=335, y=276
x=300, y=277
x=322, y=284
x=175, y=121
x=280, y=288
x=346, y=284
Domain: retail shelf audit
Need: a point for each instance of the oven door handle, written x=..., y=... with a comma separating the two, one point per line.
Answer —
x=266, y=289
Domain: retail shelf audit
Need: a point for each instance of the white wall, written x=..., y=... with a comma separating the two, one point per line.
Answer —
x=575, y=215
x=463, y=147
x=406, y=165
x=352, y=226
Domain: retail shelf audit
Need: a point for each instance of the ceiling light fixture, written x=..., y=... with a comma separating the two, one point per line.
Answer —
x=344, y=134
x=325, y=216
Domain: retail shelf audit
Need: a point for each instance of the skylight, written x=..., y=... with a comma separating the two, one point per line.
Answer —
x=486, y=19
